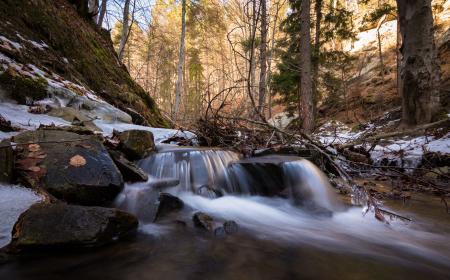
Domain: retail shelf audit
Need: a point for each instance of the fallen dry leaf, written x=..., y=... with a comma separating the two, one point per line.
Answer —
x=34, y=168
x=34, y=147
x=77, y=161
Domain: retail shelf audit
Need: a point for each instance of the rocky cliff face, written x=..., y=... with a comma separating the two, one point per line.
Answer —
x=46, y=44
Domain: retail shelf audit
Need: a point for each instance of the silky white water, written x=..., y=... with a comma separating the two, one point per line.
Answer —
x=281, y=219
x=349, y=230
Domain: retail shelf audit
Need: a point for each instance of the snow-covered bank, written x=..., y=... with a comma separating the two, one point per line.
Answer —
x=21, y=118
x=66, y=101
x=403, y=152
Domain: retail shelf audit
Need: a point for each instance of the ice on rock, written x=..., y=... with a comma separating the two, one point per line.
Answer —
x=159, y=134
x=19, y=117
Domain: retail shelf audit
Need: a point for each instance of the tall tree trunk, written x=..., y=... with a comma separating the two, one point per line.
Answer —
x=102, y=13
x=179, y=84
x=269, y=59
x=252, y=63
x=125, y=29
x=263, y=59
x=93, y=9
x=398, y=57
x=380, y=50
x=420, y=74
x=315, y=66
x=306, y=95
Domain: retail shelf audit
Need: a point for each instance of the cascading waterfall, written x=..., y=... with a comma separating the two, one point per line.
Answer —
x=309, y=186
x=195, y=168
x=219, y=171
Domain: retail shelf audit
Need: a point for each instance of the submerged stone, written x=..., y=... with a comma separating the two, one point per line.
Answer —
x=220, y=232
x=75, y=168
x=230, y=227
x=59, y=226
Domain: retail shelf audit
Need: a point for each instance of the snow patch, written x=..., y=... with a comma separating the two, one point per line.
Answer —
x=14, y=44
x=159, y=134
x=335, y=132
x=282, y=120
x=41, y=46
x=14, y=200
x=19, y=117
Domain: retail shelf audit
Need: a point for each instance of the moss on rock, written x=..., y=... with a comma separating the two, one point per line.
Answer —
x=23, y=89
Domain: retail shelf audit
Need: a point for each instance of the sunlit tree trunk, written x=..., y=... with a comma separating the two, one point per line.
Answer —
x=318, y=10
x=270, y=56
x=93, y=9
x=420, y=74
x=179, y=84
x=306, y=94
x=380, y=50
x=263, y=59
x=125, y=29
x=102, y=13
x=252, y=52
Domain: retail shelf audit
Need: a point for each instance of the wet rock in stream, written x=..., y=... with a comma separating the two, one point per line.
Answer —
x=168, y=204
x=6, y=161
x=136, y=144
x=58, y=226
x=230, y=227
x=75, y=168
x=130, y=171
x=203, y=221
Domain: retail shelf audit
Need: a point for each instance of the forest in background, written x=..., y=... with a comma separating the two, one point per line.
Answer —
x=237, y=55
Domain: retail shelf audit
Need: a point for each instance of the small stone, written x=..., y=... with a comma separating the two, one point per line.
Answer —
x=220, y=232
x=230, y=227
x=204, y=221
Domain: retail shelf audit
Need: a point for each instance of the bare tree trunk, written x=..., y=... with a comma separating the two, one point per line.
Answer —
x=398, y=57
x=420, y=74
x=179, y=84
x=102, y=13
x=125, y=29
x=263, y=59
x=306, y=95
x=252, y=68
x=93, y=9
x=269, y=60
x=318, y=9
x=380, y=51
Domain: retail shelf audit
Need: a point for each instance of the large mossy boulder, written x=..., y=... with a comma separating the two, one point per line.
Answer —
x=136, y=144
x=75, y=168
x=61, y=226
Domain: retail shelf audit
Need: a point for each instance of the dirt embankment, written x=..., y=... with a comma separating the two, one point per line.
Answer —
x=54, y=38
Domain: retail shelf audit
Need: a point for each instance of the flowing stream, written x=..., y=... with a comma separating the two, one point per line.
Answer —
x=292, y=225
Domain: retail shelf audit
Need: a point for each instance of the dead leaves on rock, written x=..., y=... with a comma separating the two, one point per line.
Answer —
x=77, y=161
x=34, y=147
